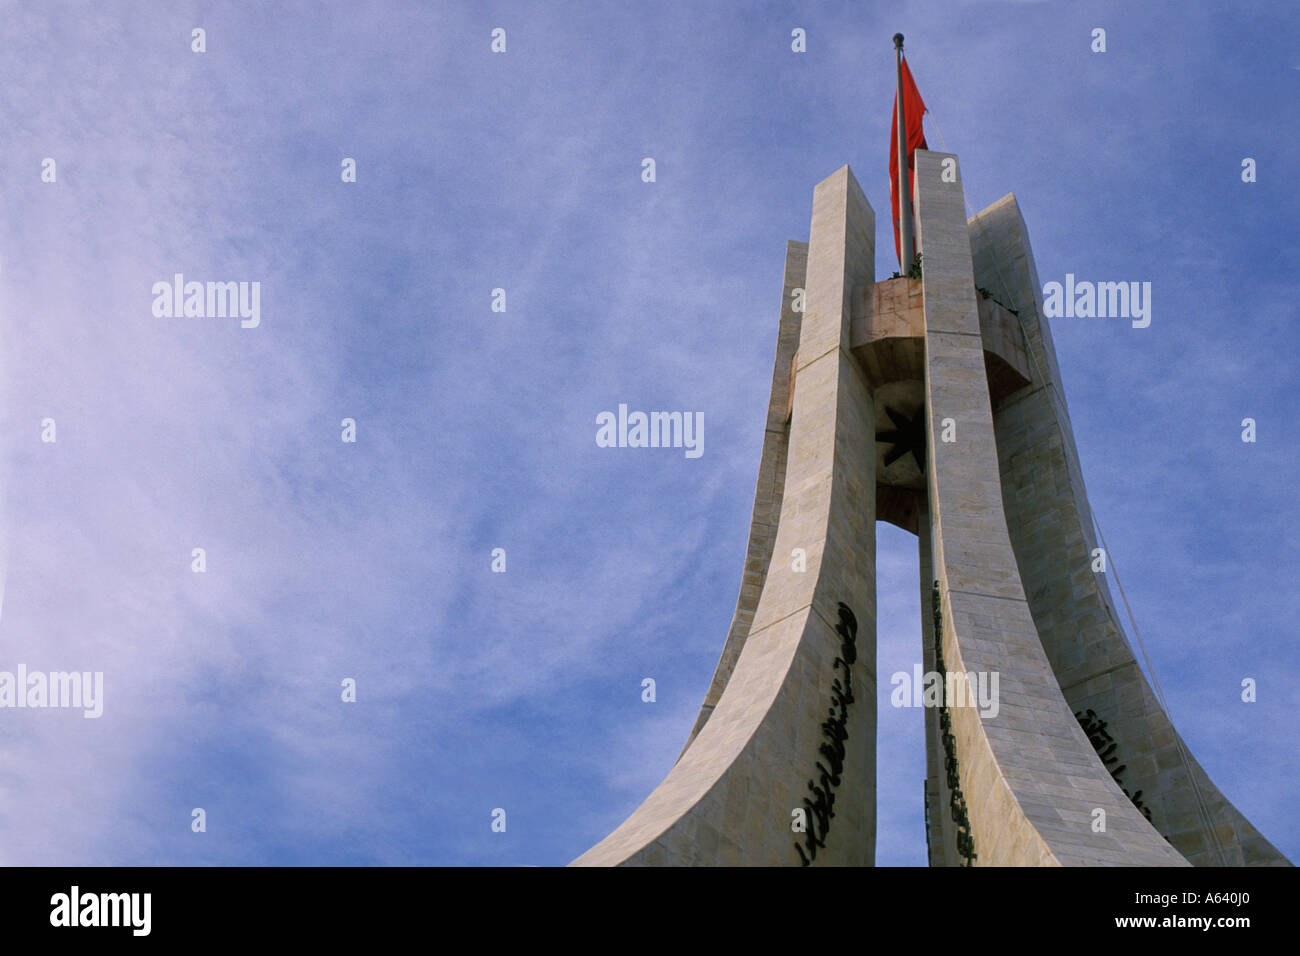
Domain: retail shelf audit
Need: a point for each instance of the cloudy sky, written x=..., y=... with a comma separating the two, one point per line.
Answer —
x=475, y=429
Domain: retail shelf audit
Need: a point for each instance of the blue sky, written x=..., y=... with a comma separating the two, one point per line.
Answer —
x=476, y=429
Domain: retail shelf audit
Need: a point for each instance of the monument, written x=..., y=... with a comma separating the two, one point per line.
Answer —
x=931, y=401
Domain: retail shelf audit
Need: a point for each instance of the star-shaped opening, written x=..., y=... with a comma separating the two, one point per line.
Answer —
x=908, y=434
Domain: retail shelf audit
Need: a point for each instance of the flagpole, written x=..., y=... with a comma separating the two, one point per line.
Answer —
x=904, y=181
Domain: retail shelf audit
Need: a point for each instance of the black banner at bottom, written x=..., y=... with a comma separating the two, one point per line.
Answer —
x=98, y=905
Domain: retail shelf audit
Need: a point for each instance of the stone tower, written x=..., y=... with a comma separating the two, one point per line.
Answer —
x=933, y=403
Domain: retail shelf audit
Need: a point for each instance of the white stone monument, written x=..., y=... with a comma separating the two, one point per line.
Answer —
x=933, y=403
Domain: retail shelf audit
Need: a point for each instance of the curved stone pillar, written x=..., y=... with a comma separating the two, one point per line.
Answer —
x=730, y=796
x=1050, y=525
x=771, y=483
x=1030, y=780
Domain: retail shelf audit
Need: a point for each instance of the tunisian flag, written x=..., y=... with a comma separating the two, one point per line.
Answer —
x=913, y=107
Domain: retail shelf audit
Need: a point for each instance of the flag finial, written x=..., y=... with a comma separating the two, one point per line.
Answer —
x=898, y=41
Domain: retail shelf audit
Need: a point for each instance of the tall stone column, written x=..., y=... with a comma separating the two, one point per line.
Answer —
x=1029, y=778
x=762, y=752
x=770, y=489
x=1051, y=528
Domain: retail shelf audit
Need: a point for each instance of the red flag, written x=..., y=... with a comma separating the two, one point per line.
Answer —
x=913, y=107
